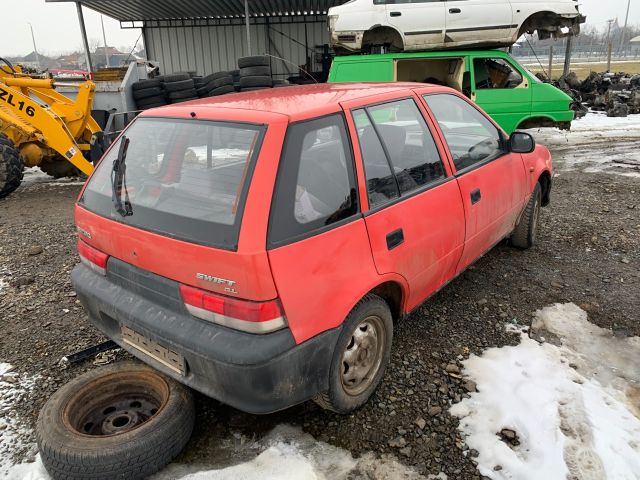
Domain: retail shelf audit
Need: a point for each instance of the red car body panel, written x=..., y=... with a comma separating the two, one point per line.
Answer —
x=319, y=279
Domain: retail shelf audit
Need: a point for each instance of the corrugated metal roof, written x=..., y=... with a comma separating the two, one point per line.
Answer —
x=141, y=10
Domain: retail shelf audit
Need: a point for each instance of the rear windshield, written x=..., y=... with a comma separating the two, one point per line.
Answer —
x=185, y=179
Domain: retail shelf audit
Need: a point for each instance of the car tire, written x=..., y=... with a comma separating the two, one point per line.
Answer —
x=153, y=105
x=11, y=167
x=215, y=76
x=222, y=90
x=524, y=235
x=181, y=94
x=255, y=71
x=146, y=92
x=179, y=86
x=150, y=100
x=253, y=89
x=188, y=99
x=175, y=77
x=221, y=81
x=81, y=434
x=253, y=61
x=144, y=84
x=370, y=323
x=203, y=91
x=258, y=81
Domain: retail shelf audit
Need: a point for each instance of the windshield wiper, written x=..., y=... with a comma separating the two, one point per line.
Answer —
x=118, y=181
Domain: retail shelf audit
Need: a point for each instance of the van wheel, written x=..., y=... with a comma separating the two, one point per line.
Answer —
x=524, y=236
x=360, y=357
x=123, y=421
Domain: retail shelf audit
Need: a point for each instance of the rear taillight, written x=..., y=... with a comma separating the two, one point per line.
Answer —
x=92, y=258
x=252, y=317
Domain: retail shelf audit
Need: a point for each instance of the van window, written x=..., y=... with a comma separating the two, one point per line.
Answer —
x=471, y=137
x=185, y=179
x=495, y=73
x=316, y=184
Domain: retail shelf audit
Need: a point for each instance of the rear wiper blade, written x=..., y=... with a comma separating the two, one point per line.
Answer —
x=118, y=181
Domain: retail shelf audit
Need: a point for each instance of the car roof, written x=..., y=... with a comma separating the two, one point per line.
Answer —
x=428, y=54
x=296, y=102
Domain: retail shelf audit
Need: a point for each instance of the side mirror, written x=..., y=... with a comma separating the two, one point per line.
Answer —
x=521, y=142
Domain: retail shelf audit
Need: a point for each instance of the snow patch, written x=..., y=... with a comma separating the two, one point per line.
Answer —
x=13, y=389
x=574, y=408
x=35, y=176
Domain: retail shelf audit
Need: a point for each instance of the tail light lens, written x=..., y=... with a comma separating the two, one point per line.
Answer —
x=93, y=258
x=252, y=317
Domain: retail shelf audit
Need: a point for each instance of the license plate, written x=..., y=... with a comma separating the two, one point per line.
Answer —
x=170, y=359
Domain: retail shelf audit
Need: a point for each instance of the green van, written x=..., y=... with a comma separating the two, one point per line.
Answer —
x=503, y=88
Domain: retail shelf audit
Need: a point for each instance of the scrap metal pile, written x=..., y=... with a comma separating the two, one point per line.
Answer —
x=618, y=94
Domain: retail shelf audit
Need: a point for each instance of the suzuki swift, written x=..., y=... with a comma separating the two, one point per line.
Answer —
x=260, y=247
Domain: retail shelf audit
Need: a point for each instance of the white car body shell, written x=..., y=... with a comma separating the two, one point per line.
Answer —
x=445, y=24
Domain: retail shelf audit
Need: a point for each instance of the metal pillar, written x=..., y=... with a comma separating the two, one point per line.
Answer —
x=104, y=37
x=85, y=42
x=550, y=73
x=246, y=20
x=35, y=49
x=567, y=56
x=624, y=30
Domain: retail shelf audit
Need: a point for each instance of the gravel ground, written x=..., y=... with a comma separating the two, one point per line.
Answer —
x=588, y=253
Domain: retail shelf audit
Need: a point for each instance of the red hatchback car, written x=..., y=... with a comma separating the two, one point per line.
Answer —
x=259, y=247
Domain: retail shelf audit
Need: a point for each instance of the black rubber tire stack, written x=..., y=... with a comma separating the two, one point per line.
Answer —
x=180, y=87
x=236, y=79
x=148, y=93
x=255, y=73
x=217, y=84
x=11, y=166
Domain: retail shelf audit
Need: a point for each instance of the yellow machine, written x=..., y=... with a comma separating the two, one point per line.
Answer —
x=52, y=132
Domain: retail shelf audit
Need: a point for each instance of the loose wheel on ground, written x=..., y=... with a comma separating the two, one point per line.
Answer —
x=123, y=421
x=524, y=235
x=360, y=357
x=11, y=167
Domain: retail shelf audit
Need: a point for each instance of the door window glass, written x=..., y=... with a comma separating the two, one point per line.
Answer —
x=471, y=137
x=408, y=144
x=495, y=73
x=316, y=183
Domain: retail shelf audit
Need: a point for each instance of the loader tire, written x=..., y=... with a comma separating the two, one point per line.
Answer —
x=254, y=61
x=11, y=167
x=122, y=421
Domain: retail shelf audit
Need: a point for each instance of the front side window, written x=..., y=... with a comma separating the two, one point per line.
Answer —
x=316, y=184
x=398, y=150
x=185, y=179
x=471, y=137
x=495, y=73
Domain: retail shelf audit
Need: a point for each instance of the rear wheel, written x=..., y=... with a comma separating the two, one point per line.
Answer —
x=360, y=357
x=11, y=167
x=122, y=421
x=524, y=236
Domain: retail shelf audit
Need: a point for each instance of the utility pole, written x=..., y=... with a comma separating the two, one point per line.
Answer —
x=624, y=30
x=246, y=23
x=104, y=38
x=35, y=49
x=608, y=46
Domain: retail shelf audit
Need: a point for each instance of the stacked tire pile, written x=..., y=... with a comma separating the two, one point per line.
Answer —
x=148, y=93
x=255, y=73
x=179, y=87
x=215, y=84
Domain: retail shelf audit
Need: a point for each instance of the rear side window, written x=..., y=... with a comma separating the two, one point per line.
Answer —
x=398, y=150
x=471, y=137
x=185, y=179
x=316, y=183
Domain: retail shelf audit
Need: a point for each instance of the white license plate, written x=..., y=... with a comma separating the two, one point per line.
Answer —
x=168, y=358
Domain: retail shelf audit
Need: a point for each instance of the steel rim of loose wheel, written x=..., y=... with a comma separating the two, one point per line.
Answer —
x=362, y=357
x=116, y=404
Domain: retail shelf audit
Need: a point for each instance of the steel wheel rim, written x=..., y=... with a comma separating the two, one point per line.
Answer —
x=116, y=404
x=362, y=357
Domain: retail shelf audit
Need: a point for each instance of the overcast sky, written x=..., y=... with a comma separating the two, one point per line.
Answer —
x=56, y=29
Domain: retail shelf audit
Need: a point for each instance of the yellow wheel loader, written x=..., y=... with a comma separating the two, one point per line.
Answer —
x=41, y=127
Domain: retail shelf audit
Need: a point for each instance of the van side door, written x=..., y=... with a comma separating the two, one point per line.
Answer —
x=492, y=181
x=421, y=22
x=473, y=21
x=501, y=89
x=415, y=217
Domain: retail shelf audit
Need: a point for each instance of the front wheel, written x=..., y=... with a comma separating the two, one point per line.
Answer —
x=11, y=167
x=360, y=357
x=524, y=236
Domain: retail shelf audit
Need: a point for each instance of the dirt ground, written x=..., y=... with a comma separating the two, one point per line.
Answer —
x=588, y=253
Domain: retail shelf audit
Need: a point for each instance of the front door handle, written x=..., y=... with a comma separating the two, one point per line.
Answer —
x=476, y=196
x=455, y=10
x=395, y=239
x=396, y=14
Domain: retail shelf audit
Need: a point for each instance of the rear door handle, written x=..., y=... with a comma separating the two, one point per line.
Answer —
x=476, y=196
x=395, y=239
x=455, y=10
x=396, y=14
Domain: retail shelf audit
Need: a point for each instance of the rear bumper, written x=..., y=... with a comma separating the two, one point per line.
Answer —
x=254, y=373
